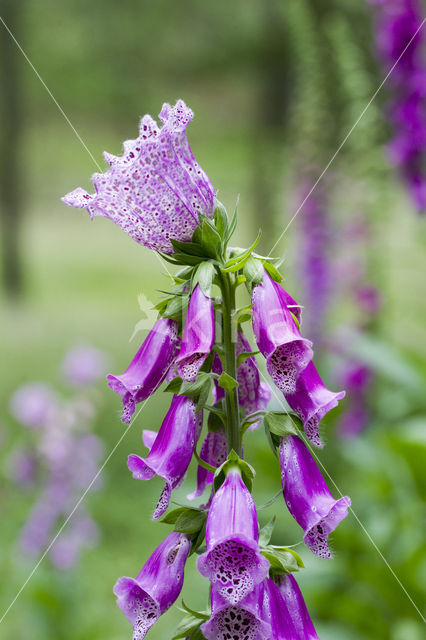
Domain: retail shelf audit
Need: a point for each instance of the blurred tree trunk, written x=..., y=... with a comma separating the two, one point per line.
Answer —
x=11, y=125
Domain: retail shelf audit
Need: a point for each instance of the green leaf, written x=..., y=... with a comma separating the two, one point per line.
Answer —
x=273, y=271
x=233, y=223
x=245, y=355
x=186, y=626
x=253, y=270
x=227, y=382
x=215, y=421
x=221, y=219
x=198, y=539
x=201, y=615
x=191, y=248
x=203, y=463
x=266, y=532
x=283, y=424
x=282, y=559
x=174, y=385
x=194, y=388
x=190, y=520
x=175, y=307
x=210, y=239
x=172, y=516
x=241, y=259
x=233, y=460
x=203, y=275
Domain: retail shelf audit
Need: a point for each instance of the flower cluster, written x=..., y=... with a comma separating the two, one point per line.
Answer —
x=199, y=350
x=401, y=42
x=63, y=460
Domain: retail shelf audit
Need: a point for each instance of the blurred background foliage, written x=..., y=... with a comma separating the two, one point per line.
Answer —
x=275, y=87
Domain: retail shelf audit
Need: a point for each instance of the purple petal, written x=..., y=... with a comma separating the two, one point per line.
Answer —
x=155, y=190
x=233, y=562
x=278, y=337
x=148, y=368
x=312, y=400
x=295, y=607
x=198, y=335
x=307, y=496
x=171, y=451
x=214, y=452
x=253, y=395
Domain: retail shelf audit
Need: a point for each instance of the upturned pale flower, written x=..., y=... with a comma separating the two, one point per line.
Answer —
x=156, y=190
x=287, y=353
x=148, y=368
x=294, y=608
x=312, y=400
x=241, y=621
x=307, y=496
x=144, y=599
x=33, y=404
x=84, y=365
x=171, y=450
x=198, y=335
x=233, y=562
x=214, y=452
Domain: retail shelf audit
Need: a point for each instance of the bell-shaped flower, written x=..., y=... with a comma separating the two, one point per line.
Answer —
x=276, y=613
x=294, y=608
x=148, y=368
x=171, y=450
x=287, y=353
x=307, y=496
x=233, y=562
x=242, y=621
x=156, y=190
x=312, y=400
x=144, y=599
x=214, y=452
x=198, y=335
x=253, y=395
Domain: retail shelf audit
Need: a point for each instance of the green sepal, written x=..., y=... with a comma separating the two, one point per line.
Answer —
x=238, y=262
x=220, y=218
x=265, y=532
x=283, y=424
x=198, y=539
x=272, y=270
x=211, y=241
x=188, y=248
x=245, y=355
x=253, y=271
x=233, y=224
x=203, y=463
x=201, y=615
x=180, y=258
x=203, y=275
x=282, y=559
x=175, y=306
x=185, y=519
x=187, y=627
x=227, y=382
x=243, y=313
x=174, y=385
x=233, y=460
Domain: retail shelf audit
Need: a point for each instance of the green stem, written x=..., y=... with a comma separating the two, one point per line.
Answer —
x=230, y=364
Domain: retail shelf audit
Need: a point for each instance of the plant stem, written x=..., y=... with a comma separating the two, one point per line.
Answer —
x=230, y=364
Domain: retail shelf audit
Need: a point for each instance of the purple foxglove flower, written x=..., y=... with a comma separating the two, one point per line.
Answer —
x=148, y=368
x=312, y=400
x=198, y=335
x=157, y=586
x=81, y=532
x=253, y=395
x=240, y=621
x=356, y=378
x=307, y=496
x=289, y=302
x=293, y=608
x=214, y=452
x=171, y=451
x=33, y=404
x=278, y=337
x=233, y=562
x=84, y=365
x=218, y=392
x=155, y=190
x=22, y=467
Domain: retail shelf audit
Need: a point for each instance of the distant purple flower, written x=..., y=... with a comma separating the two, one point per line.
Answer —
x=144, y=599
x=198, y=335
x=369, y=299
x=307, y=496
x=22, y=467
x=171, y=451
x=356, y=378
x=81, y=532
x=148, y=368
x=84, y=365
x=233, y=562
x=156, y=190
x=398, y=21
x=295, y=607
x=33, y=404
x=278, y=337
x=253, y=395
x=312, y=400
x=214, y=452
x=242, y=621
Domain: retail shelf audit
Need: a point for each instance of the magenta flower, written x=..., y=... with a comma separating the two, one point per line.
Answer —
x=312, y=400
x=242, y=621
x=294, y=608
x=357, y=378
x=171, y=451
x=156, y=190
x=253, y=395
x=214, y=452
x=307, y=496
x=278, y=337
x=84, y=365
x=198, y=335
x=157, y=586
x=233, y=562
x=148, y=368
x=33, y=404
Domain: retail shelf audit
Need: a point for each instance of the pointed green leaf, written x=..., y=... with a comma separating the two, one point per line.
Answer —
x=266, y=532
x=283, y=424
x=227, y=382
x=245, y=355
x=273, y=271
